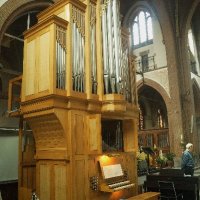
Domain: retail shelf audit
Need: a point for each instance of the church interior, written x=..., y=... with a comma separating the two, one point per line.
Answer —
x=98, y=98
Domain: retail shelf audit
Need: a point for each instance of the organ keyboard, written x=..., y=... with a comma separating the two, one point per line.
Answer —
x=118, y=184
x=124, y=187
x=114, y=178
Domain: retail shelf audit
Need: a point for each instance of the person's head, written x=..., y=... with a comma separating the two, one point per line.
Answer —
x=189, y=146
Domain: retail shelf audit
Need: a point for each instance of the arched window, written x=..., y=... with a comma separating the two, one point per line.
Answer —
x=142, y=31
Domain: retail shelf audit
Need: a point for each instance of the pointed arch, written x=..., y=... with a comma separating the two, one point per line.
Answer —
x=189, y=17
x=196, y=96
x=15, y=9
x=139, y=21
x=157, y=87
x=136, y=8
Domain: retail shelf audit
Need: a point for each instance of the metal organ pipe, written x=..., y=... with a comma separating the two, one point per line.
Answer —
x=126, y=71
x=60, y=57
x=126, y=76
x=93, y=60
x=115, y=52
x=74, y=55
x=78, y=45
x=105, y=49
x=82, y=49
x=93, y=50
x=112, y=47
x=118, y=46
x=64, y=60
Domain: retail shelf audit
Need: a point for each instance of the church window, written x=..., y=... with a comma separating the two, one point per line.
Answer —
x=142, y=31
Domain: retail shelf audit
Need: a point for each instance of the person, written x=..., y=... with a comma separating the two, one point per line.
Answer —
x=34, y=196
x=187, y=164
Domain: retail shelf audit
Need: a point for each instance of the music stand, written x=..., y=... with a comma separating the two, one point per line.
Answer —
x=148, y=151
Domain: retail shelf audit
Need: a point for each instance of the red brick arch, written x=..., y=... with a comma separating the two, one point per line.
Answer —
x=157, y=87
x=11, y=9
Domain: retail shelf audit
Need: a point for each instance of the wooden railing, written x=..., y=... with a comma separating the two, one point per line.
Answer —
x=14, y=96
x=154, y=137
x=146, y=65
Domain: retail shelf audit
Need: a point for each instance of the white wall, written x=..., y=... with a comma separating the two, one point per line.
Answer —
x=156, y=49
x=8, y=157
x=2, y=2
x=6, y=121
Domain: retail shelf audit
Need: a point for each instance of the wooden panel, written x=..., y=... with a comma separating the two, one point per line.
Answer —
x=67, y=13
x=130, y=135
x=24, y=176
x=30, y=68
x=44, y=61
x=60, y=182
x=31, y=177
x=80, y=180
x=130, y=165
x=94, y=131
x=24, y=193
x=48, y=132
x=45, y=182
x=61, y=15
x=79, y=140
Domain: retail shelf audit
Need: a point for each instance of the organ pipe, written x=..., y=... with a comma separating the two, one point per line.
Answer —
x=93, y=49
x=115, y=57
x=60, y=57
x=78, y=46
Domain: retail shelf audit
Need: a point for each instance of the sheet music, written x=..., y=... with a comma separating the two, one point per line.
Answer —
x=111, y=171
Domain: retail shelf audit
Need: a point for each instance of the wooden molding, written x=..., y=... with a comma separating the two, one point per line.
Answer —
x=58, y=6
x=53, y=19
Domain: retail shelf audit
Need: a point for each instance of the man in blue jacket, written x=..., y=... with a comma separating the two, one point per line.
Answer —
x=187, y=164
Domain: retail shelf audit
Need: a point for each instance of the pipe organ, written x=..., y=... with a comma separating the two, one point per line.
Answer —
x=79, y=99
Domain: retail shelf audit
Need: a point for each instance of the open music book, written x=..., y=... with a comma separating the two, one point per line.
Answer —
x=111, y=171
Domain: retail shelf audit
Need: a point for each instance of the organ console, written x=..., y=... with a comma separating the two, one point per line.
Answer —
x=79, y=99
x=114, y=178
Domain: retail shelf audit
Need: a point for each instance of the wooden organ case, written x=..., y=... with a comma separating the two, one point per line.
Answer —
x=79, y=99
